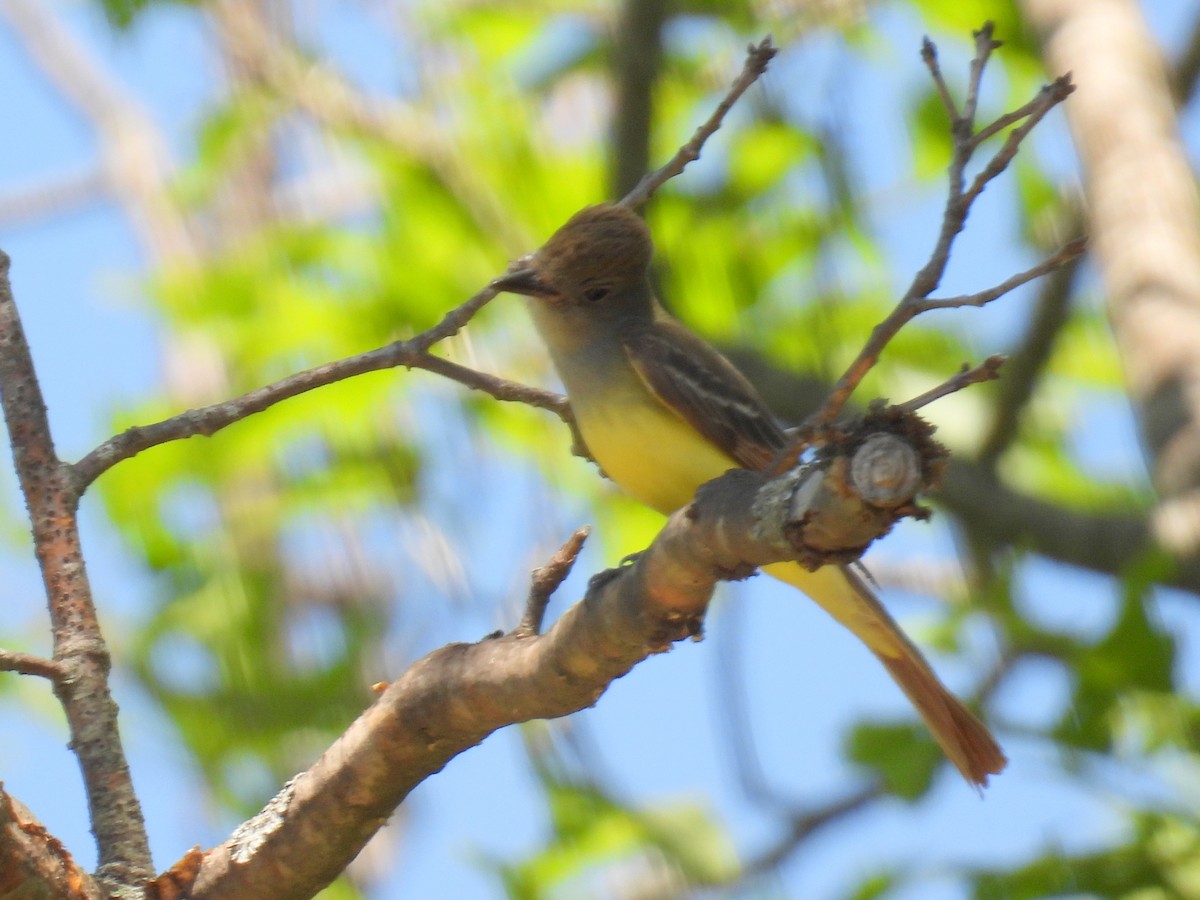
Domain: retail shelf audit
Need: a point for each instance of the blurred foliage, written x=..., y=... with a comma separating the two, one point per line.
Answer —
x=1162, y=859
x=288, y=577
x=905, y=756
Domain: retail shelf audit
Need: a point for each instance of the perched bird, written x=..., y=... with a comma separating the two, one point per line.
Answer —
x=662, y=412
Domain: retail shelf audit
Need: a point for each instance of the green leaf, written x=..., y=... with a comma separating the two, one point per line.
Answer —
x=875, y=886
x=903, y=755
x=592, y=831
x=122, y=14
x=1135, y=655
x=763, y=153
x=959, y=18
x=932, y=144
x=1160, y=861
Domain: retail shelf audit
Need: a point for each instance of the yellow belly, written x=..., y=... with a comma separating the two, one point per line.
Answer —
x=660, y=460
x=651, y=453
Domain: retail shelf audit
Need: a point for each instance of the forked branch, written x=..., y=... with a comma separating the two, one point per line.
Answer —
x=916, y=300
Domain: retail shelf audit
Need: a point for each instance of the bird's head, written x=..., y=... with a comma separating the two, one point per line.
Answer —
x=600, y=253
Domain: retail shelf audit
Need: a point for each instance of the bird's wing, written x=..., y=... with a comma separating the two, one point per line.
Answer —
x=704, y=389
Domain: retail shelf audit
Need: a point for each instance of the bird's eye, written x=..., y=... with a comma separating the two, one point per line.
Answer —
x=596, y=293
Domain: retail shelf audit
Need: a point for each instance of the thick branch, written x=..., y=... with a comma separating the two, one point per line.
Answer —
x=33, y=863
x=80, y=652
x=1144, y=213
x=1187, y=68
x=637, y=57
x=457, y=695
x=1105, y=541
x=1108, y=542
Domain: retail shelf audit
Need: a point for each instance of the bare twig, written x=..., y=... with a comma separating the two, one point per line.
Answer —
x=1104, y=540
x=29, y=664
x=930, y=58
x=29, y=201
x=909, y=308
x=339, y=104
x=208, y=420
x=1027, y=362
x=546, y=580
x=1036, y=106
x=958, y=205
x=804, y=825
x=1069, y=252
x=995, y=676
x=1049, y=97
x=758, y=56
x=985, y=44
x=499, y=388
x=988, y=370
x=79, y=647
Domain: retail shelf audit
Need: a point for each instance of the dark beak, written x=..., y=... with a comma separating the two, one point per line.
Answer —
x=524, y=281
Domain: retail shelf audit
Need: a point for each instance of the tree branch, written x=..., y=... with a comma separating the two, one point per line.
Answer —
x=1027, y=362
x=339, y=104
x=546, y=580
x=958, y=205
x=1106, y=541
x=80, y=652
x=453, y=698
x=637, y=58
x=758, y=56
x=1187, y=68
x=929, y=56
x=988, y=370
x=413, y=353
x=28, y=664
x=499, y=388
x=804, y=824
x=1069, y=252
x=33, y=863
x=1144, y=216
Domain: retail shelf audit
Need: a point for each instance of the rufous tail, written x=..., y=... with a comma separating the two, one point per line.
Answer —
x=842, y=593
x=963, y=738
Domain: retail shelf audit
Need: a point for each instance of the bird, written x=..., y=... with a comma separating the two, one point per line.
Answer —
x=662, y=412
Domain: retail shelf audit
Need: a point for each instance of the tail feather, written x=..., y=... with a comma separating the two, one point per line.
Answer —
x=964, y=739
